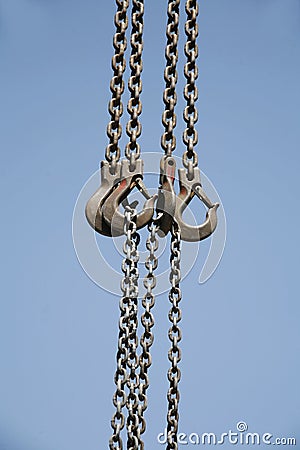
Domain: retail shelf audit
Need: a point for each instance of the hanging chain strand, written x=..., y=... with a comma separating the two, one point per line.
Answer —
x=168, y=140
x=115, y=107
x=134, y=107
x=190, y=114
x=126, y=359
x=119, y=398
x=147, y=320
x=131, y=287
x=174, y=353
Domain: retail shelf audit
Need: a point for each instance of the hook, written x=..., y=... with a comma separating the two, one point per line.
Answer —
x=166, y=202
x=188, y=189
x=129, y=179
x=93, y=209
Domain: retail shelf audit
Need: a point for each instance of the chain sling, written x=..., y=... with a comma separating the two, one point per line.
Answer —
x=118, y=179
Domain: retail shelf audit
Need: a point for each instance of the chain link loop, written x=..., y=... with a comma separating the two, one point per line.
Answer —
x=174, y=334
x=168, y=140
x=115, y=106
x=134, y=107
x=190, y=114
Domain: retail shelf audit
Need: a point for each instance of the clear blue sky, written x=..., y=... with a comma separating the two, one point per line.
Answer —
x=58, y=329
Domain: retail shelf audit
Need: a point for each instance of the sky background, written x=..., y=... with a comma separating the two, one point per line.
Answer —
x=58, y=329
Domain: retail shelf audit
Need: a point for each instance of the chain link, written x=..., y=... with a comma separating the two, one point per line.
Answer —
x=120, y=397
x=115, y=107
x=147, y=320
x=190, y=114
x=168, y=140
x=131, y=280
x=174, y=353
x=127, y=360
x=134, y=107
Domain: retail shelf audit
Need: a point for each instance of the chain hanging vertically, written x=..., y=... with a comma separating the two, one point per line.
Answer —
x=147, y=320
x=127, y=359
x=190, y=114
x=112, y=155
x=132, y=153
x=168, y=140
x=134, y=107
x=174, y=353
x=131, y=286
x=127, y=327
x=115, y=107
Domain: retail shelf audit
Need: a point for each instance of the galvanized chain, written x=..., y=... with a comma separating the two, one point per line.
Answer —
x=168, y=140
x=115, y=107
x=131, y=285
x=134, y=107
x=119, y=398
x=174, y=353
x=190, y=114
x=126, y=356
x=147, y=320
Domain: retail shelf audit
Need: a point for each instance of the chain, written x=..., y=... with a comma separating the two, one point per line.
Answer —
x=147, y=320
x=134, y=106
x=126, y=356
x=119, y=398
x=168, y=140
x=174, y=353
x=130, y=265
x=190, y=114
x=115, y=107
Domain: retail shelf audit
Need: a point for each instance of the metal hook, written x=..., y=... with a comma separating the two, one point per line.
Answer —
x=93, y=209
x=129, y=179
x=166, y=202
x=188, y=189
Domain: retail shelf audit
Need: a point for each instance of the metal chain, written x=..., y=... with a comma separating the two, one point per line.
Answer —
x=134, y=107
x=168, y=140
x=126, y=356
x=131, y=281
x=147, y=320
x=119, y=398
x=190, y=114
x=174, y=353
x=115, y=107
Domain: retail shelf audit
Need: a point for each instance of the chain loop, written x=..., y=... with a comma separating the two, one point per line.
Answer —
x=174, y=334
x=134, y=107
x=115, y=106
x=168, y=140
x=190, y=114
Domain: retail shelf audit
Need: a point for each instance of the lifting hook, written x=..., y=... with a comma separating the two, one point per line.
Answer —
x=129, y=179
x=93, y=209
x=166, y=202
x=188, y=189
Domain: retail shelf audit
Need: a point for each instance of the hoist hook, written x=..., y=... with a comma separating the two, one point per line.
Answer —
x=129, y=179
x=93, y=209
x=166, y=202
x=188, y=189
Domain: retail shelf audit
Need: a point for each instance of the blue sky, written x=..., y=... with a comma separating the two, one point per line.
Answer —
x=58, y=329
